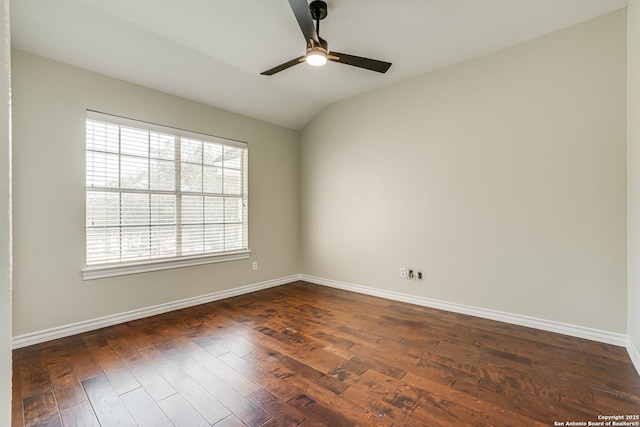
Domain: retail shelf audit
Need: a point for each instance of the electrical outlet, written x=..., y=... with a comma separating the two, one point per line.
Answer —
x=410, y=275
x=403, y=273
x=254, y=266
x=419, y=275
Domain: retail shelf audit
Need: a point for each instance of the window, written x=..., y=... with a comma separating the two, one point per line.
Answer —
x=159, y=197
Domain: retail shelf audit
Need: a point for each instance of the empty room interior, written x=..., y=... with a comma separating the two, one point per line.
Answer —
x=440, y=226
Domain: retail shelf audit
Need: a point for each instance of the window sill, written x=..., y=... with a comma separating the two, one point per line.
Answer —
x=102, y=271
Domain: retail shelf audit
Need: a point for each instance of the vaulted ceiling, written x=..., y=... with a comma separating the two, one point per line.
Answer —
x=212, y=51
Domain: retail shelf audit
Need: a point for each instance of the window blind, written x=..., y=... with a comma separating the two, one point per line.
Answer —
x=157, y=193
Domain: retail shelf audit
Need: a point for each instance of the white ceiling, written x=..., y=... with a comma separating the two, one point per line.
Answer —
x=212, y=51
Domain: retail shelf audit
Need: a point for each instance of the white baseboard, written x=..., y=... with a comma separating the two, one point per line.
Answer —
x=93, y=324
x=546, y=325
x=634, y=354
x=516, y=319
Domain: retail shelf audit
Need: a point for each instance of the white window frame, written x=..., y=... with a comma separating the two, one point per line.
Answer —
x=119, y=268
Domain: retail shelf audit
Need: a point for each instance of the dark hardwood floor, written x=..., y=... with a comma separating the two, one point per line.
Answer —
x=302, y=354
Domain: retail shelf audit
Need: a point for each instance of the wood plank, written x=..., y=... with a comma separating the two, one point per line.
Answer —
x=84, y=364
x=313, y=408
x=250, y=413
x=40, y=410
x=66, y=385
x=270, y=382
x=38, y=398
x=115, y=370
x=144, y=409
x=106, y=403
x=201, y=400
x=157, y=387
x=235, y=379
x=284, y=413
x=80, y=415
x=181, y=413
x=17, y=411
x=231, y=421
x=126, y=346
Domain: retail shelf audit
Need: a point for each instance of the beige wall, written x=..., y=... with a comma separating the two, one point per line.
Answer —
x=50, y=99
x=633, y=129
x=5, y=216
x=502, y=178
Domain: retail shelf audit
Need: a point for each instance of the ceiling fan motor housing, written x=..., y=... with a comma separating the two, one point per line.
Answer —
x=318, y=9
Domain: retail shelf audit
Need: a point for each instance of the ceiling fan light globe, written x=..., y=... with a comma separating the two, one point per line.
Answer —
x=316, y=57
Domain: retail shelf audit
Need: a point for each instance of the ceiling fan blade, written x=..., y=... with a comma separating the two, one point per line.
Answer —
x=282, y=67
x=358, y=61
x=303, y=16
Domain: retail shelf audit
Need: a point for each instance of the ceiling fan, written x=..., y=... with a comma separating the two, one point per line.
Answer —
x=317, y=49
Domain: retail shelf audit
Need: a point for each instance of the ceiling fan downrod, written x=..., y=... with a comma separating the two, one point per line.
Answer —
x=318, y=10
